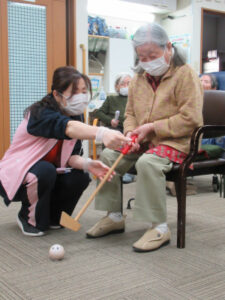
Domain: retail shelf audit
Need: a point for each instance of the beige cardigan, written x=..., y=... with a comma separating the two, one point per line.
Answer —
x=175, y=108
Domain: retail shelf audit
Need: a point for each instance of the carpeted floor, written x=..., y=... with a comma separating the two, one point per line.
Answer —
x=107, y=268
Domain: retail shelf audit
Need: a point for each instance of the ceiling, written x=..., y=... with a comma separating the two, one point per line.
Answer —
x=158, y=6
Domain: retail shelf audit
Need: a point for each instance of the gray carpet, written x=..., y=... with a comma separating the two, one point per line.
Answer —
x=107, y=268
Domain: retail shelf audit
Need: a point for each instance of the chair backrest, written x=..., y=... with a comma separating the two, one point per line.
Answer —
x=214, y=107
x=213, y=110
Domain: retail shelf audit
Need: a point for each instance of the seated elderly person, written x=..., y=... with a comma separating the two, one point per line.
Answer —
x=209, y=81
x=113, y=103
x=111, y=113
x=164, y=106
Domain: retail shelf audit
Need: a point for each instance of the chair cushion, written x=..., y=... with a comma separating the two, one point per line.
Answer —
x=210, y=152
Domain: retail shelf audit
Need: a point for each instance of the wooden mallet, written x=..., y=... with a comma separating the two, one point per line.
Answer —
x=72, y=223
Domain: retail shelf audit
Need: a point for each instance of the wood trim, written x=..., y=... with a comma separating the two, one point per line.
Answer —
x=71, y=32
x=82, y=46
x=56, y=37
x=5, y=78
x=98, y=36
x=37, y=2
x=213, y=12
x=96, y=74
x=1, y=92
x=201, y=46
x=49, y=44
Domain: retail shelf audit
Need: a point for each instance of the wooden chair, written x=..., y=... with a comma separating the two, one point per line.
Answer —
x=214, y=126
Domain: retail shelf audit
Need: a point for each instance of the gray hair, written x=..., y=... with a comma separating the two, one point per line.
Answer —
x=214, y=81
x=154, y=33
x=120, y=77
x=150, y=33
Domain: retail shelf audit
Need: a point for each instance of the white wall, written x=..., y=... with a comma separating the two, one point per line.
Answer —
x=81, y=33
x=190, y=22
x=182, y=22
x=119, y=58
x=82, y=38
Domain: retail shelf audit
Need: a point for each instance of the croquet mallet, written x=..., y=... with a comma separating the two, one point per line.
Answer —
x=72, y=223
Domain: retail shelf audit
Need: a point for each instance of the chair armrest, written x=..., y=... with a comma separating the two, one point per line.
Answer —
x=95, y=122
x=217, y=130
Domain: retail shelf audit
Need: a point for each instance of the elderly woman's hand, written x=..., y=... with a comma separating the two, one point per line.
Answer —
x=114, y=123
x=143, y=130
x=135, y=146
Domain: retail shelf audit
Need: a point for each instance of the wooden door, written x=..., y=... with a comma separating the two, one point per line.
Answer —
x=32, y=46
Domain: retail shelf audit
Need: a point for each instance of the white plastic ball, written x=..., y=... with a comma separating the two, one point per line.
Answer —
x=56, y=252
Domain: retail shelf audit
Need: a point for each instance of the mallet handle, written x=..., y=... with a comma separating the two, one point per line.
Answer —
x=99, y=187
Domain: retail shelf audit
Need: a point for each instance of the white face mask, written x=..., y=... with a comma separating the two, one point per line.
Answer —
x=124, y=91
x=156, y=67
x=76, y=105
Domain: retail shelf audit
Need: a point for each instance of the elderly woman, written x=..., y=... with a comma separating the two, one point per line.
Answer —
x=113, y=103
x=164, y=107
x=209, y=81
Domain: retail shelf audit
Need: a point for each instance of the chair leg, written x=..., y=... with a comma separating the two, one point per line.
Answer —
x=223, y=186
x=181, y=211
x=129, y=201
x=121, y=190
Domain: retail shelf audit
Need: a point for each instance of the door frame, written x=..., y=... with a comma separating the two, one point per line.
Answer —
x=71, y=54
x=53, y=11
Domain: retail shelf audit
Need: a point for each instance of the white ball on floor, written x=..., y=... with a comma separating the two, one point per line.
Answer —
x=56, y=252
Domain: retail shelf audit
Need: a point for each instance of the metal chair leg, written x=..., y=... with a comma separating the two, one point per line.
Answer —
x=129, y=201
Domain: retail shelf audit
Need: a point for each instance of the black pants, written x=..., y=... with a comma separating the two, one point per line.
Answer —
x=45, y=194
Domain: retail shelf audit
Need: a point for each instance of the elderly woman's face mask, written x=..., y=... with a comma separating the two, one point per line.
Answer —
x=152, y=59
x=123, y=86
x=156, y=67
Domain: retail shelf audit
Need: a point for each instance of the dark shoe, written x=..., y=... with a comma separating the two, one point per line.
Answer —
x=28, y=229
x=55, y=226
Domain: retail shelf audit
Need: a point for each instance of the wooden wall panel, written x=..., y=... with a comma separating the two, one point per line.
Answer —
x=5, y=121
x=56, y=55
x=71, y=32
x=58, y=23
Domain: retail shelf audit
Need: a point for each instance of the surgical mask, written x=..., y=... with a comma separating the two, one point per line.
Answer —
x=124, y=91
x=76, y=105
x=156, y=67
